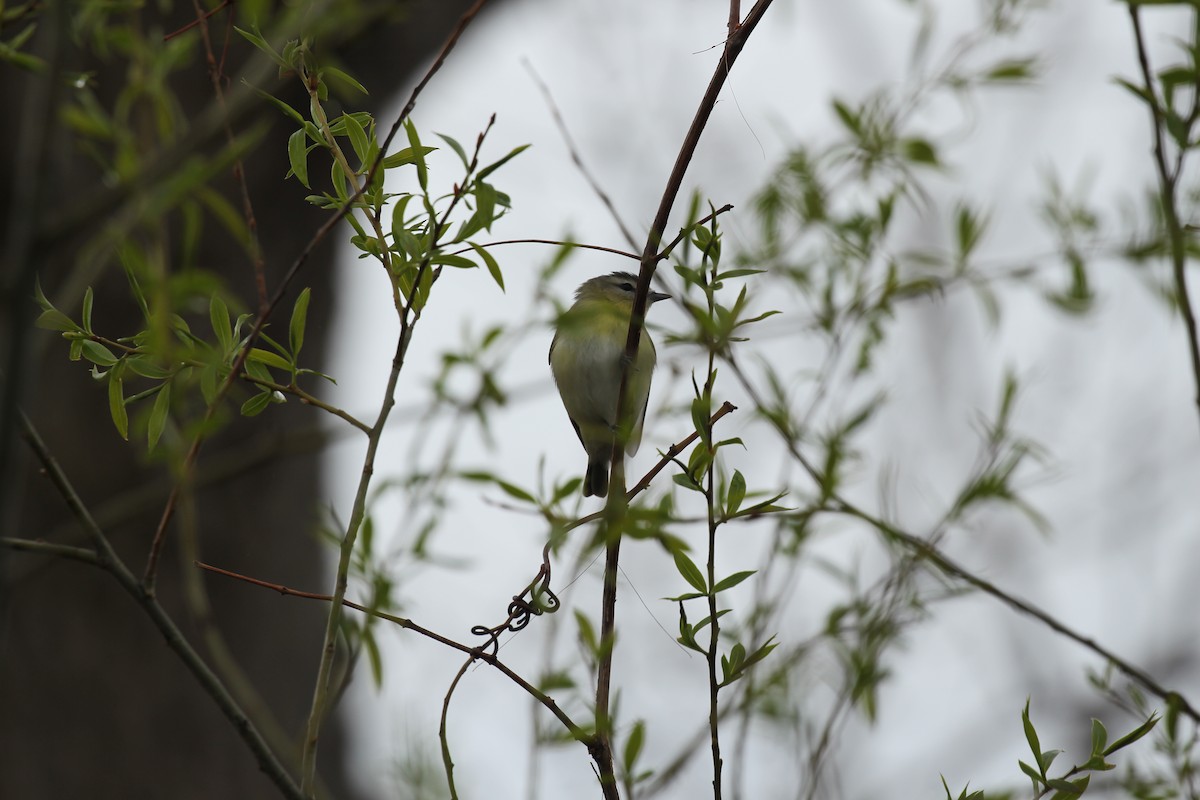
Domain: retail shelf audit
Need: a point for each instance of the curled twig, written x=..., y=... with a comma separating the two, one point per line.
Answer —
x=535, y=600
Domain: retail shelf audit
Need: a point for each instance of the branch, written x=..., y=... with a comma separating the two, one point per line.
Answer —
x=577, y=159
x=949, y=567
x=1167, y=181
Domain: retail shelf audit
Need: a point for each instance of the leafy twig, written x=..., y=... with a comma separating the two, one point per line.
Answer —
x=281, y=290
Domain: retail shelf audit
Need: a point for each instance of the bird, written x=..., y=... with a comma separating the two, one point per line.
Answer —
x=586, y=356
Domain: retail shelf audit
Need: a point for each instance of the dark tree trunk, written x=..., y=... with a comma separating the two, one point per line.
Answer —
x=92, y=701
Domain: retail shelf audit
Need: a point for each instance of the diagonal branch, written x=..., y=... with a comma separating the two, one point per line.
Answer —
x=108, y=560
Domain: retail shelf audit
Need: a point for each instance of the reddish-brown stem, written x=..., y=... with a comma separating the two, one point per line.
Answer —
x=202, y=17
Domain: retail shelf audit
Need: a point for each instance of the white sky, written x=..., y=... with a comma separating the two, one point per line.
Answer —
x=1109, y=395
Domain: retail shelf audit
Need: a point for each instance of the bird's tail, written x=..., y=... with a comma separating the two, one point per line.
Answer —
x=596, y=480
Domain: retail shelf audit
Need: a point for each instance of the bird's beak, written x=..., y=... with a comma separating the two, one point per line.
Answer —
x=654, y=297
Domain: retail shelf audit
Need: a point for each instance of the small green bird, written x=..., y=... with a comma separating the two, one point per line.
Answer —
x=586, y=356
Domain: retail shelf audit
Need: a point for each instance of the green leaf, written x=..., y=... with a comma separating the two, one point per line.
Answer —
x=488, y=170
x=255, y=37
x=1012, y=70
x=633, y=745
x=54, y=320
x=256, y=404
x=218, y=315
x=1137, y=91
x=1068, y=789
x=1031, y=772
x=97, y=353
x=88, y=300
x=1099, y=737
x=358, y=138
x=368, y=641
x=269, y=358
x=485, y=204
x=920, y=151
x=493, y=268
x=414, y=141
x=158, y=416
x=587, y=632
x=116, y=403
x=290, y=112
x=848, y=117
x=737, y=493
x=343, y=77
x=515, y=491
x=732, y=580
x=298, y=156
x=408, y=155
x=690, y=572
x=451, y=260
x=457, y=148
x=760, y=653
x=144, y=365
x=1133, y=735
x=299, y=320
x=1032, y=738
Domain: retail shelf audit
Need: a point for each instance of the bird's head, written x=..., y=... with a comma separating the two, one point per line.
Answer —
x=616, y=287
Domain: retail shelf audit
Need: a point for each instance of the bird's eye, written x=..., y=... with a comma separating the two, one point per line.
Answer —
x=626, y=287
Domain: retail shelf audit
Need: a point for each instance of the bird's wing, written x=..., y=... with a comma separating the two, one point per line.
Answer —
x=635, y=434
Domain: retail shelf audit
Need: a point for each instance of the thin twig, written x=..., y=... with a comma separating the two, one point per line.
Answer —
x=52, y=549
x=204, y=16
x=1168, y=182
x=309, y=400
x=949, y=567
x=577, y=159
x=558, y=243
